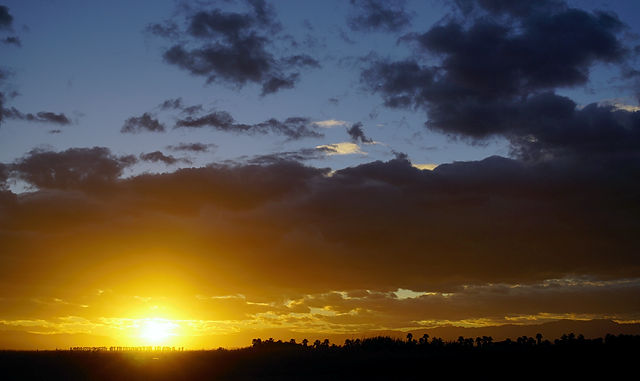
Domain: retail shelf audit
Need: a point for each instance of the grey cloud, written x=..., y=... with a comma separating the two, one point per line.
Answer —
x=158, y=156
x=172, y=104
x=377, y=226
x=73, y=168
x=145, y=122
x=6, y=20
x=193, y=147
x=293, y=128
x=357, y=133
x=300, y=155
x=40, y=117
x=12, y=40
x=497, y=76
x=234, y=48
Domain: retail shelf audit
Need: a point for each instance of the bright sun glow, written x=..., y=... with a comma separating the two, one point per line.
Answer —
x=157, y=331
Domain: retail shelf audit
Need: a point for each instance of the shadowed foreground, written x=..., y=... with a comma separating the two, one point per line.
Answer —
x=373, y=358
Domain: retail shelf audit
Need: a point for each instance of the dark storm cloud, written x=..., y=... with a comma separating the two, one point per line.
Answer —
x=234, y=48
x=293, y=128
x=377, y=226
x=12, y=40
x=389, y=16
x=6, y=20
x=158, y=156
x=192, y=147
x=357, y=133
x=145, y=122
x=71, y=169
x=499, y=67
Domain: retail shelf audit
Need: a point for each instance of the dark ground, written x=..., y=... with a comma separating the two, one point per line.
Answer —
x=377, y=359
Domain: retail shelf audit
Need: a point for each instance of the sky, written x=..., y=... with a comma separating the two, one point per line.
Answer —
x=198, y=173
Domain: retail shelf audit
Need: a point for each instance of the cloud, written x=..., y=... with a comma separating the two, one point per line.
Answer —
x=329, y=123
x=356, y=133
x=300, y=155
x=71, y=169
x=145, y=122
x=4, y=175
x=6, y=20
x=193, y=147
x=293, y=128
x=15, y=114
x=158, y=156
x=619, y=104
x=343, y=148
x=12, y=40
x=233, y=47
x=172, y=104
x=388, y=16
x=486, y=82
x=378, y=226
x=40, y=117
x=424, y=167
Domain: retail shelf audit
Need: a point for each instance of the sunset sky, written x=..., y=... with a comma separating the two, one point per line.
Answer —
x=200, y=173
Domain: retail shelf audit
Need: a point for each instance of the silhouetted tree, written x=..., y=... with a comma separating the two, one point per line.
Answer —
x=538, y=338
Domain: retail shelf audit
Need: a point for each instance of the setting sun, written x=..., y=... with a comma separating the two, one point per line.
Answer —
x=157, y=331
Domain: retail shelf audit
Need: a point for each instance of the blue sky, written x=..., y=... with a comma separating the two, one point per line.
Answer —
x=95, y=62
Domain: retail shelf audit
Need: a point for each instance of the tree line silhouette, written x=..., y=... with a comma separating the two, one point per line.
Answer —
x=426, y=343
